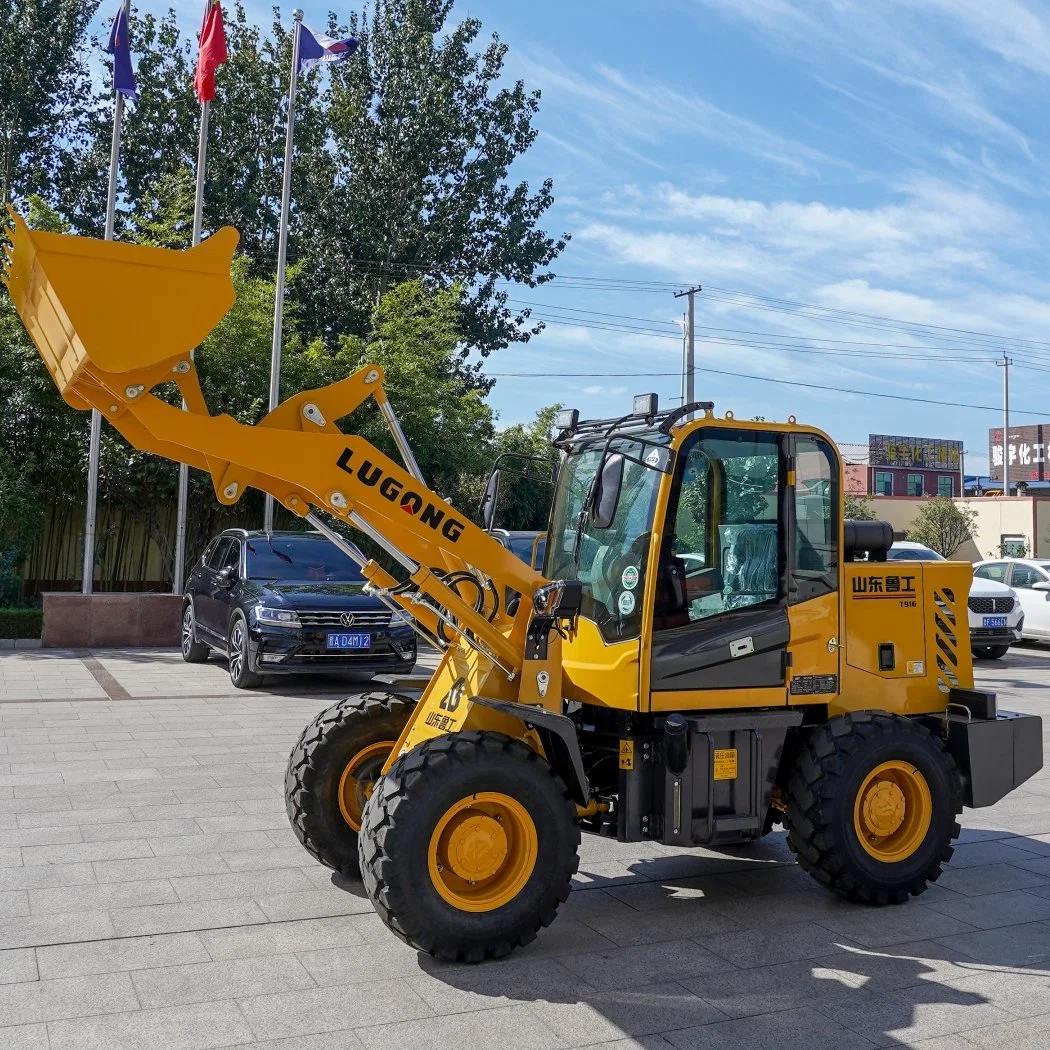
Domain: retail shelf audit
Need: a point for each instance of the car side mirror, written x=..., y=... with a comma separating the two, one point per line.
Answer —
x=607, y=496
x=227, y=577
x=1042, y=585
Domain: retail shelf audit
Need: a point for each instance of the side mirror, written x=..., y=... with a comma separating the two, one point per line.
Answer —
x=1042, y=585
x=607, y=495
x=227, y=577
x=488, y=501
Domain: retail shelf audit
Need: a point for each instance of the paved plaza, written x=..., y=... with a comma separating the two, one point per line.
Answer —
x=153, y=896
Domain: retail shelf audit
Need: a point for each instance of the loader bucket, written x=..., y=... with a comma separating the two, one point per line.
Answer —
x=114, y=308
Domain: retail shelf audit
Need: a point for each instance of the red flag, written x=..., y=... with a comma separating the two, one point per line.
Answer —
x=212, y=52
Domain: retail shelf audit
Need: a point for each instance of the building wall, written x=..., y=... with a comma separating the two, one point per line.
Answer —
x=996, y=517
x=930, y=479
x=856, y=478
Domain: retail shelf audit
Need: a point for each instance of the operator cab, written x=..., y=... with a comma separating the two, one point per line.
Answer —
x=720, y=528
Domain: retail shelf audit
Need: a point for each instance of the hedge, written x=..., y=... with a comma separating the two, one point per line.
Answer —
x=21, y=623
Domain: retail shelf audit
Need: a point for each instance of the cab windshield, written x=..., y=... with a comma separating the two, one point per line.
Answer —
x=611, y=563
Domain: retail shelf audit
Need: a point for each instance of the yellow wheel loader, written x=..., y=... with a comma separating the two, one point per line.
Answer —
x=709, y=651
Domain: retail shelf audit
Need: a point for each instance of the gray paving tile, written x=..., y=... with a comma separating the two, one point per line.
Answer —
x=174, y=918
x=46, y=836
x=1026, y=944
x=920, y=1012
x=55, y=929
x=128, y=953
x=147, y=868
x=997, y=909
x=775, y=1031
x=242, y=884
x=217, y=843
x=24, y=1037
x=303, y=936
x=280, y=907
x=85, y=851
x=991, y=878
x=316, y=1010
x=877, y=927
x=202, y=1026
x=988, y=851
x=511, y=1028
x=229, y=979
x=17, y=966
x=1033, y=1033
x=101, y=897
x=43, y=877
x=776, y=944
x=1021, y=993
x=643, y=964
x=327, y=1041
x=66, y=997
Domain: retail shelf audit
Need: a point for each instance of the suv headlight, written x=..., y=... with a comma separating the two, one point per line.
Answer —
x=276, y=617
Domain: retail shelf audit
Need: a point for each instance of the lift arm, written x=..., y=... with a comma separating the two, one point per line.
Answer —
x=113, y=321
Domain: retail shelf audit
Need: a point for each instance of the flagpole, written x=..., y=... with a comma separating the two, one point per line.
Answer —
x=179, y=572
x=87, y=579
x=282, y=239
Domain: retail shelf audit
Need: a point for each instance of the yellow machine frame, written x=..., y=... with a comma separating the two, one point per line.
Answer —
x=61, y=287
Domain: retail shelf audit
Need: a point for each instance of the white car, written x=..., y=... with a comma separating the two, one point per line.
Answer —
x=1030, y=579
x=997, y=614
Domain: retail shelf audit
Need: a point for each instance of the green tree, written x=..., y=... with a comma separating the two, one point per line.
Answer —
x=858, y=508
x=424, y=136
x=942, y=526
x=44, y=89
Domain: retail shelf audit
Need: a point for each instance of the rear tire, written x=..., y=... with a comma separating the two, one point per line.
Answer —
x=193, y=652
x=333, y=768
x=856, y=776
x=991, y=652
x=517, y=836
x=241, y=674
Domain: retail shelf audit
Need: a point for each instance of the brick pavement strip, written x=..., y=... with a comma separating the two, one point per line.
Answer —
x=151, y=895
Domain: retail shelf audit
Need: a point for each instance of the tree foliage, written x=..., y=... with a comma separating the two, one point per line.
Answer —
x=858, y=508
x=942, y=525
x=405, y=221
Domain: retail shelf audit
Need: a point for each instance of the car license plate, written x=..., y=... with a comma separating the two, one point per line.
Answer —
x=995, y=621
x=349, y=641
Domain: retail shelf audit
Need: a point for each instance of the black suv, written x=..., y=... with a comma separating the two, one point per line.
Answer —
x=288, y=601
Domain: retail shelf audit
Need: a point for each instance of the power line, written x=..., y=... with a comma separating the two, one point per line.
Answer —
x=763, y=379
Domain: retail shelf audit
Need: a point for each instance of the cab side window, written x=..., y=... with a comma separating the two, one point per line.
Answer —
x=232, y=557
x=722, y=551
x=218, y=553
x=994, y=571
x=1026, y=576
x=815, y=553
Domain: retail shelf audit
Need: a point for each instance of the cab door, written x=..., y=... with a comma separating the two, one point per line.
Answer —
x=720, y=626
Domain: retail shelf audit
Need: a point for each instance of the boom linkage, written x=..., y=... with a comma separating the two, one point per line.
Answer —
x=171, y=300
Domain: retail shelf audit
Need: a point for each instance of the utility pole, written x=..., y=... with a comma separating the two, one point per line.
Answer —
x=689, y=366
x=1004, y=364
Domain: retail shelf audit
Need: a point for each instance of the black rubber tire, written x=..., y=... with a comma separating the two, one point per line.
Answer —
x=399, y=821
x=315, y=766
x=821, y=795
x=991, y=652
x=241, y=674
x=193, y=652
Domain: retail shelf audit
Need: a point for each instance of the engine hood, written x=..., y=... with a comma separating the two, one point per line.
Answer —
x=982, y=588
x=316, y=595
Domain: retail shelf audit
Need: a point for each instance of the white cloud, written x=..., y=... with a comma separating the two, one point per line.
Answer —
x=604, y=391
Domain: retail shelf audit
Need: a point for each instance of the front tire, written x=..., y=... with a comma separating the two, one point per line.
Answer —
x=872, y=807
x=193, y=652
x=333, y=769
x=468, y=846
x=991, y=652
x=241, y=673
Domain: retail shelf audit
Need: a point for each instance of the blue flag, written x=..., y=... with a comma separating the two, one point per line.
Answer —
x=119, y=47
x=315, y=48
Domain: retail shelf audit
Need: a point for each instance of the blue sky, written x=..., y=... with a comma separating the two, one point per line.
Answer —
x=887, y=159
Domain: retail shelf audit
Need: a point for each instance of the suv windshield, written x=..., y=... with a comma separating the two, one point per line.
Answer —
x=610, y=563
x=299, y=559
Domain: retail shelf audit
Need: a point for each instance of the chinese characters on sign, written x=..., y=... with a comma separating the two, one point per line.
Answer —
x=1027, y=449
x=887, y=450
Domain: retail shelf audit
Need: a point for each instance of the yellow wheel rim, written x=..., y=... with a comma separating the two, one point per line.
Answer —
x=893, y=811
x=483, y=851
x=359, y=778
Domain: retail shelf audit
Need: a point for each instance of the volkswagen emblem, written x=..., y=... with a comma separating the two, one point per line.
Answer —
x=347, y=619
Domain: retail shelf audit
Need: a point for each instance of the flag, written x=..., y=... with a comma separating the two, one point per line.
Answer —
x=315, y=48
x=212, y=52
x=119, y=47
